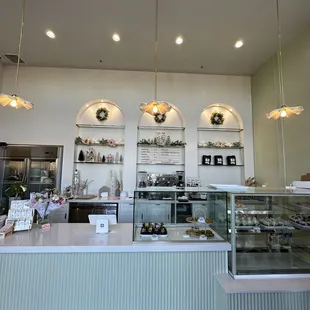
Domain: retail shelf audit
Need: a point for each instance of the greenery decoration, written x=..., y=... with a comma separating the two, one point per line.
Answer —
x=217, y=118
x=154, y=143
x=16, y=189
x=102, y=114
x=160, y=118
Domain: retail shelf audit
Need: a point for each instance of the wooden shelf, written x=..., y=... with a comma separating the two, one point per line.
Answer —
x=100, y=126
x=220, y=129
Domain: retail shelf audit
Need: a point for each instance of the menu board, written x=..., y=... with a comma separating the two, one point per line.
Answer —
x=161, y=155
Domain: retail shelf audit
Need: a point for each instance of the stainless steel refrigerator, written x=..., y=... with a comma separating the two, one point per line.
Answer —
x=39, y=166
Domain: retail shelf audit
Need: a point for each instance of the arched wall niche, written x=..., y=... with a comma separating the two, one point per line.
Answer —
x=227, y=134
x=232, y=117
x=90, y=128
x=87, y=114
x=173, y=130
x=174, y=118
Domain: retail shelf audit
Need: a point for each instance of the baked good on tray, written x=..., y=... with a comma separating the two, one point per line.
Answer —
x=196, y=232
x=153, y=229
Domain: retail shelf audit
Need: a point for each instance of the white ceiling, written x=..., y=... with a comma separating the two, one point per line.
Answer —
x=209, y=27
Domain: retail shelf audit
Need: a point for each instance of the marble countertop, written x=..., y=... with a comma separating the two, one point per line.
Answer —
x=78, y=238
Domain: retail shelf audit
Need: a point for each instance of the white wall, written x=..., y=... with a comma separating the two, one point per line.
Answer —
x=58, y=94
x=1, y=75
x=269, y=165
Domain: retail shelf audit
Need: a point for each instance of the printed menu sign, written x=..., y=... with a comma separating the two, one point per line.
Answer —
x=164, y=155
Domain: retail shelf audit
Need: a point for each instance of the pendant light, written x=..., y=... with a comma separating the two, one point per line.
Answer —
x=15, y=101
x=155, y=107
x=283, y=111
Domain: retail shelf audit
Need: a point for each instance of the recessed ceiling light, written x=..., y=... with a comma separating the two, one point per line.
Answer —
x=50, y=34
x=116, y=37
x=179, y=40
x=238, y=44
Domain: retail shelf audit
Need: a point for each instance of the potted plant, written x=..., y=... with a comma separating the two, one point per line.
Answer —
x=15, y=190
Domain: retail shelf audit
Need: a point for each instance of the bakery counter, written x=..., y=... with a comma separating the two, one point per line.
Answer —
x=81, y=238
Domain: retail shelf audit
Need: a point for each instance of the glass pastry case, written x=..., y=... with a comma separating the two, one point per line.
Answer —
x=269, y=233
x=180, y=215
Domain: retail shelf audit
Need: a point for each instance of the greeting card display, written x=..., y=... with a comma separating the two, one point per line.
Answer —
x=218, y=160
x=206, y=160
x=231, y=160
x=21, y=215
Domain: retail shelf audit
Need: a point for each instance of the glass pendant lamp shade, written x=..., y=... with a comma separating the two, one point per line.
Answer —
x=14, y=101
x=284, y=111
x=155, y=107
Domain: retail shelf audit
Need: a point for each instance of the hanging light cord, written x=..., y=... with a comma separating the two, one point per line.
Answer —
x=280, y=65
x=20, y=45
x=156, y=49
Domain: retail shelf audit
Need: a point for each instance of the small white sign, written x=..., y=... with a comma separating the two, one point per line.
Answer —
x=102, y=226
x=154, y=238
x=202, y=237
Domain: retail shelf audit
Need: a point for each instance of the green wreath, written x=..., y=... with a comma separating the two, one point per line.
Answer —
x=217, y=118
x=102, y=114
x=160, y=118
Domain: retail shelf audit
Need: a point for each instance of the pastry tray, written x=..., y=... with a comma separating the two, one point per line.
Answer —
x=247, y=227
x=150, y=236
x=299, y=226
x=276, y=227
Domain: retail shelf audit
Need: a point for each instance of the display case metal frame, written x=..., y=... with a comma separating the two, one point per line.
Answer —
x=176, y=223
x=269, y=195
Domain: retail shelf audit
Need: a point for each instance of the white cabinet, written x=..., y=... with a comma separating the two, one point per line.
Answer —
x=125, y=212
x=60, y=215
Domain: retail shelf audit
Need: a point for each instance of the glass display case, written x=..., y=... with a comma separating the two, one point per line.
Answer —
x=270, y=233
x=180, y=215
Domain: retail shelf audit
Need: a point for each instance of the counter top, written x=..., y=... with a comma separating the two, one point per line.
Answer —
x=100, y=200
x=77, y=238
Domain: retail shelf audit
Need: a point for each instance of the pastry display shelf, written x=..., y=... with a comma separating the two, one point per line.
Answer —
x=220, y=129
x=161, y=146
x=246, y=211
x=96, y=163
x=160, y=128
x=100, y=126
x=220, y=165
x=176, y=233
x=221, y=148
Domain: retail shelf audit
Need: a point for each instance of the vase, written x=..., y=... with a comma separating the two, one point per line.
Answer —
x=44, y=222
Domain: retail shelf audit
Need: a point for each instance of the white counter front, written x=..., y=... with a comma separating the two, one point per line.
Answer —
x=78, y=238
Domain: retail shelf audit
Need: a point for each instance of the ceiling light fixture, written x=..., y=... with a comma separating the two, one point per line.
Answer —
x=283, y=111
x=50, y=34
x=179, y=40
x=239, y=44
x=15, y=101
x=116, y=37
x=155, y=107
